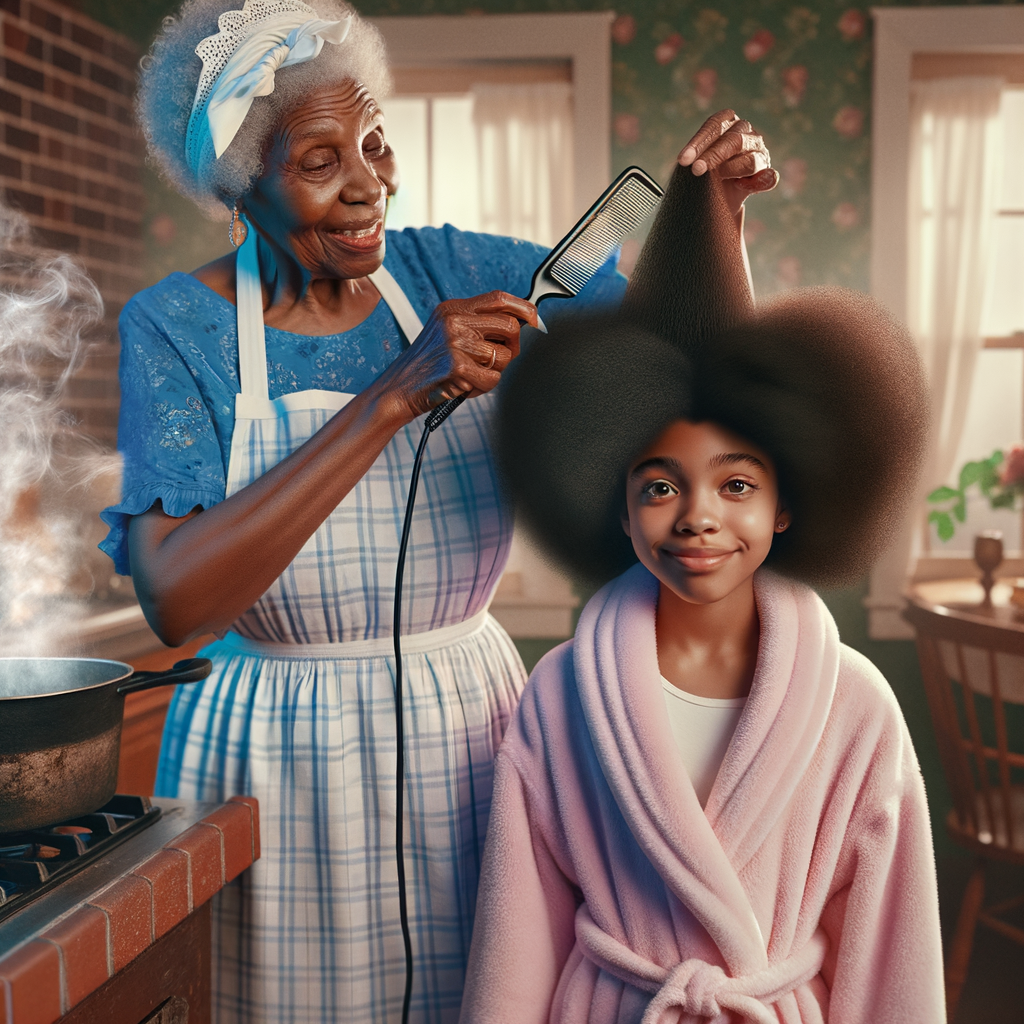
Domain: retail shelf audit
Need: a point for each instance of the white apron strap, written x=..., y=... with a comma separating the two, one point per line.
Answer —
x=401, y=307
x=252, y=344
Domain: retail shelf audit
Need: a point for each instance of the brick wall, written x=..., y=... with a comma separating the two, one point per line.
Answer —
x=70, y=159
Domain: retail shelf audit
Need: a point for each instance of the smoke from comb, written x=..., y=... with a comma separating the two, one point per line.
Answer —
x=48, y=307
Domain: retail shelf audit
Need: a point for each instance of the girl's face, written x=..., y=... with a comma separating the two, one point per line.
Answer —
x=324, y=190
x=703, y=507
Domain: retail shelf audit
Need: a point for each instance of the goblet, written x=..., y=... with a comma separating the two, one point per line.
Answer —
x=988, y=554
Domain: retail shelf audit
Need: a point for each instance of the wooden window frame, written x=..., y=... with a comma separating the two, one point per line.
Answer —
x=583, y=40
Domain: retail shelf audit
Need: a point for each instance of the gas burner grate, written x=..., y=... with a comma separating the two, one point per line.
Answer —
x=32, y=863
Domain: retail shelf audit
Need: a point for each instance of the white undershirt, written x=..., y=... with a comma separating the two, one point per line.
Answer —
x=702, y=728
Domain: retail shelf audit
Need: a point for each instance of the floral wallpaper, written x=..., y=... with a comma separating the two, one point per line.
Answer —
x=801, y=74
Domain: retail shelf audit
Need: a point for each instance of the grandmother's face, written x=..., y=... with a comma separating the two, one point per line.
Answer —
x=324, y=189
x=703, y=507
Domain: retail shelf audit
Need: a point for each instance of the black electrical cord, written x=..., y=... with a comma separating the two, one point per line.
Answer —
x=433, y=421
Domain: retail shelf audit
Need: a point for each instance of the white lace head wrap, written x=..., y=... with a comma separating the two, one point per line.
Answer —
x=239, y=64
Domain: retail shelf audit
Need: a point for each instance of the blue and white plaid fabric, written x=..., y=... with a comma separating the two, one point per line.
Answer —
x=311, y=934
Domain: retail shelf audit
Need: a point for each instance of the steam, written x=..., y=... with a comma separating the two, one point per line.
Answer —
x=49, y=314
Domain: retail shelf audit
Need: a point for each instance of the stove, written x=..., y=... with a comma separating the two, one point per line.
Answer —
x=32, y=863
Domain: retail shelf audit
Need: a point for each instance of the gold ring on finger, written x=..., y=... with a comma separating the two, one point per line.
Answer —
x=494, y=355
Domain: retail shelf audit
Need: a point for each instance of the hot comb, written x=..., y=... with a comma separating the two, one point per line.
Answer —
x=620, y=209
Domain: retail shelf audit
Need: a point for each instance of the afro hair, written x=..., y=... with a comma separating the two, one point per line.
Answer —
x=572, y=414
x=823, y=380
x=830, y=385
x=690, y=281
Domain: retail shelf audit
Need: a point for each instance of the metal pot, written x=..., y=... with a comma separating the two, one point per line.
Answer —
x=60, y=733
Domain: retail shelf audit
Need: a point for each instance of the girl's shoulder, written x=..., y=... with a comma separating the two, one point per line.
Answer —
x=861, y=686
x=867, y=717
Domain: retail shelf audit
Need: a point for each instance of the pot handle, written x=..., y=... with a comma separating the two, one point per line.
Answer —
x=191, y=670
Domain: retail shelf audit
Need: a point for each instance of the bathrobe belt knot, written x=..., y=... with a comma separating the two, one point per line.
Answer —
x=695, y=986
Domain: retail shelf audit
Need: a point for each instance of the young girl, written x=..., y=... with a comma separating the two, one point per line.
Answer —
x=708, y=808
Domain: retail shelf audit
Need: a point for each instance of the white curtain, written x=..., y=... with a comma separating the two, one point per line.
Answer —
x=955, y=159
x=524, y=139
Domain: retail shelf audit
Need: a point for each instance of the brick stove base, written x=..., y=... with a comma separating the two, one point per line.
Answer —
x=127, y=940
x=168, y=984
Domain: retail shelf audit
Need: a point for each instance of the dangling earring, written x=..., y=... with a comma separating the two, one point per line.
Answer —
x=233, y=228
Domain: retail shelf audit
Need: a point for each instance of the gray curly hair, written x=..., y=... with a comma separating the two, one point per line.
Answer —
x=170, y=75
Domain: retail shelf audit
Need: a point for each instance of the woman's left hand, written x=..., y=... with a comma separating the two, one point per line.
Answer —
x=736, y=152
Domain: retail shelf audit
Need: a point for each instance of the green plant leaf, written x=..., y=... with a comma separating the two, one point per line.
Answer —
x=1002, y=499
x=960, y=510
x=971, y=473
x=942, y=494
x=943, y=524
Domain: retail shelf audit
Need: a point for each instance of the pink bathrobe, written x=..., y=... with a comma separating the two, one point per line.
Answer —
x=804, y=892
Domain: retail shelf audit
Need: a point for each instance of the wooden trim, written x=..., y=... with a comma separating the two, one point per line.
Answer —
x=1015, y=340
x=1009, y=66
x=458, y=79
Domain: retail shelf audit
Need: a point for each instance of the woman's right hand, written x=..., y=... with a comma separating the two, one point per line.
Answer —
x=463, y=349
x=198, y=573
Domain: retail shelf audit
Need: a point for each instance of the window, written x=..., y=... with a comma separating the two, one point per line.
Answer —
x=921, y=43
x=995, y=410
x=486, y=149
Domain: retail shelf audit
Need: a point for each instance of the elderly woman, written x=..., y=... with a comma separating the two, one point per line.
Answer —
x=271, y=407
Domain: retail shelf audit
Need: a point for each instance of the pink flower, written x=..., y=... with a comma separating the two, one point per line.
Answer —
x=794, y=84
x=793, y=173
x=705, y=85
x=758, y=45
x=852, y=25
x=1011, y=473
x=627, y=129
x=752, y=230
x=624, y=29
x=665, y=52
x=788, y=272
x=845, y=216
x=849, y=122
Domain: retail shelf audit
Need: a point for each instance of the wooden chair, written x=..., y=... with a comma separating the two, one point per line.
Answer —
x=971, y=671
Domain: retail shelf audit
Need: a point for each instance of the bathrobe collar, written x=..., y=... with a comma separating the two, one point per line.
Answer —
x=700, y=853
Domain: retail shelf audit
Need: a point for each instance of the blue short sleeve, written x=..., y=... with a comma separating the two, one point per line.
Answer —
x=433, y=263
x=166, y=434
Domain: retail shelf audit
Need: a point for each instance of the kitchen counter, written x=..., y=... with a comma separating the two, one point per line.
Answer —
x=138, y=913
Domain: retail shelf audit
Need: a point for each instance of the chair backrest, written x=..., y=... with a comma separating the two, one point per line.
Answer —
x=971, y=672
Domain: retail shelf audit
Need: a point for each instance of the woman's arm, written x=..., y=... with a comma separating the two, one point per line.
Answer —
x=197, y=574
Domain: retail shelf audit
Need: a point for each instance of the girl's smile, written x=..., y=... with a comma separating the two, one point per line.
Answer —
x=703, y=506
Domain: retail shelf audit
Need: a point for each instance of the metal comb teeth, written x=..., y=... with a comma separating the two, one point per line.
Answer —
x=623, y=212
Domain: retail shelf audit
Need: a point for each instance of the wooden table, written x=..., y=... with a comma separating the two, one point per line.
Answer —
x=961, y=599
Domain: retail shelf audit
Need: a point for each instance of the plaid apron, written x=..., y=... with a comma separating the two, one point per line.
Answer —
x=299, y=712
